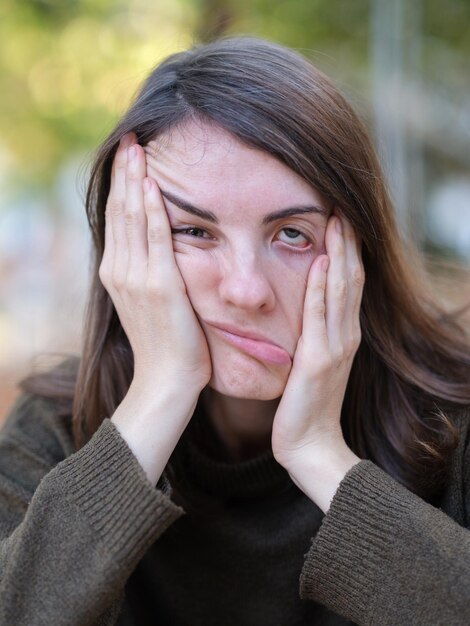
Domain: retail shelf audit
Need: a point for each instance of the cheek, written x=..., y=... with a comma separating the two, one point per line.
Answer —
x=292, y=279
x=202, y=271
x=199, y=273
x=291, y=290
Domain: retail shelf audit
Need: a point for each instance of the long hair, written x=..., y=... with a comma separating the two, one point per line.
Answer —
x=411, y=374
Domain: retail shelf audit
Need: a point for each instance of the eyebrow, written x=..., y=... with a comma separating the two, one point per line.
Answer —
x=267, y=219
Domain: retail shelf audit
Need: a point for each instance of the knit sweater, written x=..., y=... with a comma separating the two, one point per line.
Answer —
x=86, y=539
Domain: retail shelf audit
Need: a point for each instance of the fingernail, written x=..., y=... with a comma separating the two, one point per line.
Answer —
x=339, y=228
x=131, y=152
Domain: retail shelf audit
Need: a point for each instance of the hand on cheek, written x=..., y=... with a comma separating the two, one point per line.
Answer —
x=307, y=421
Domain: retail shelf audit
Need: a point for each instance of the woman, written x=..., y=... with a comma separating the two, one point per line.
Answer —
x=269, y=420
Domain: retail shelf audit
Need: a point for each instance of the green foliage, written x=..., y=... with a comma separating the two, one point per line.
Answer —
x=69, y=69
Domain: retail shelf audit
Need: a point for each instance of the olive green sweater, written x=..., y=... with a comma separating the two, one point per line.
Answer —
x=85, y=539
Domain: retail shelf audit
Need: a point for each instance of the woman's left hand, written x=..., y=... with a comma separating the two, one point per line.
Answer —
x=307, y=421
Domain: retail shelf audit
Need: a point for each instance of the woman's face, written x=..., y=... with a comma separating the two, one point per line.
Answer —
x=240, y=269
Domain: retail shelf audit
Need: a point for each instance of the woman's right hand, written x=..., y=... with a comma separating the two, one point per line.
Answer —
x=140, y=274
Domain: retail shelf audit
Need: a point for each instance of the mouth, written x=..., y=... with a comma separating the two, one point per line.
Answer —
x=261, y=349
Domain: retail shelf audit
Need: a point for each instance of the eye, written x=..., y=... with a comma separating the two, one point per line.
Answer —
x=293, y=234
x=190, y=231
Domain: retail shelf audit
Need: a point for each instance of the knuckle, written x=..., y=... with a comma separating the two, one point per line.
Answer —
x=114, y=207
x=154, y=234
x=358, y=277
x=357, y=338
x=133, y=283
x=339, y=245
x=103, y=276
x=318, y=308
x=349, y=349
x=132, y=174
x=341, y=289
x=120, y=160
x=155, y=288
x=118, y=281
x=103, y=270
x=131, y=218
x=352, y=344
x=324, y=365
x=339, y=353
x=151, y=207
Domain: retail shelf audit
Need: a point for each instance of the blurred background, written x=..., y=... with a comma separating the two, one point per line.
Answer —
x=68, y=70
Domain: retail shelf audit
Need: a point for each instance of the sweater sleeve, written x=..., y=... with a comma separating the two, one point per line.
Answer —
x=73, y=529
x=383, y=556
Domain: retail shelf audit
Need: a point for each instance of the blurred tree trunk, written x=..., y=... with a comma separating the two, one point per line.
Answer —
x=215, y=18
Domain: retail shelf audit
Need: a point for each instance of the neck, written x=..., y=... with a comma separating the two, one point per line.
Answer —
x=243, y=425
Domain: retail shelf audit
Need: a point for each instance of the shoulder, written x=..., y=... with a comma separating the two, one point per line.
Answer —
x=464, y=426
x=33, y=441
x=39, y=425
x=462, y=422
x=459, y=473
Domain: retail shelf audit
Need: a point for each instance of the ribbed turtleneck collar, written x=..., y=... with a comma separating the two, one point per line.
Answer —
x=195, y=464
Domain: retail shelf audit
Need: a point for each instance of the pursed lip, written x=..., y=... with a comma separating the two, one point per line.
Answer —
x=241, y=332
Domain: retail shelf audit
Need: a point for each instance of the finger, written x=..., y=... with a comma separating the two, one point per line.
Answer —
x=113, y=199
x=356, y=278
x=134, y=217
x=337, y=285
x=118, y=171
x=314, y=331
x=115, y=209
x=161, y=258
x=108, y=251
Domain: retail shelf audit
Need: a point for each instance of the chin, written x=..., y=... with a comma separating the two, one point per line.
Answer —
x=255, y=385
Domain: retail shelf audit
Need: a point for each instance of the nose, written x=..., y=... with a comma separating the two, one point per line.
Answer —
x=245, y=283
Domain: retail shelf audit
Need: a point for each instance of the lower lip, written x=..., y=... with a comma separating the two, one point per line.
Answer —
x=259, y=349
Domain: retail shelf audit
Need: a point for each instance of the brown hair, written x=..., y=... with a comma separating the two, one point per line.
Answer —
x=412, y=370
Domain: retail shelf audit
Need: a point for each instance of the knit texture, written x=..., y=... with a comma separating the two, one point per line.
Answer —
x=72, y=530
x=85, y=539
x=379, y=543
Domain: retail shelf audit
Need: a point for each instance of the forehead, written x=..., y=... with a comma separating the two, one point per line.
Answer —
x=208, y=165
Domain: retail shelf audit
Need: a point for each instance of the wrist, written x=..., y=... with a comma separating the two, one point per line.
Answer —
x=152, y=421
x=319, y=471
x=153, y=391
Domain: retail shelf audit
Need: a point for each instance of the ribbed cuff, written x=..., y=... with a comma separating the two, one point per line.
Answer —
x=106, y=481
x=347, y=560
